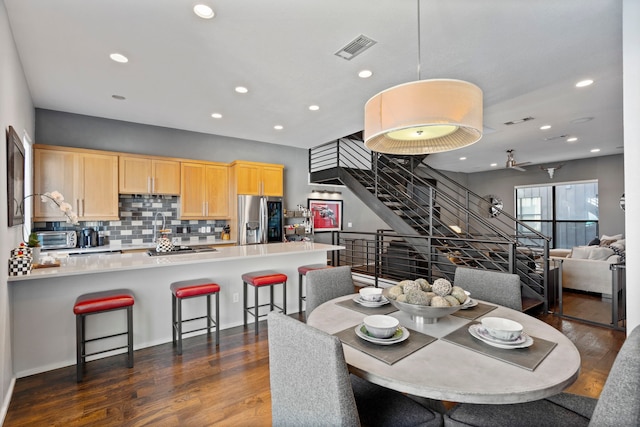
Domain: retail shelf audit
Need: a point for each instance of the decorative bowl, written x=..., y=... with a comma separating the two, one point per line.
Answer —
x=502, y=329
x=421, y=313
x=381, y=326
x=371, y=294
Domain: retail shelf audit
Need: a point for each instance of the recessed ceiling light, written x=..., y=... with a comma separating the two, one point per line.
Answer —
x=584, y=83
x=203, y=11
x=463, y=158
x=242, y=89
x=118, y=57
x=314, y=107
x=365, y=74
x=118, y=97
x=493, y=165
x=572, y=139
x=545, y=127
x=595, y=150
x=216, y=115
x=278, y=127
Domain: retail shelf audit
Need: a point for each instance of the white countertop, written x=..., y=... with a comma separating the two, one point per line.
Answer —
x=92, y=262
x=117, y=247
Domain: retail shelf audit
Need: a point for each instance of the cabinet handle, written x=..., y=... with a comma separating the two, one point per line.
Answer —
x=82, y=207
x=207, y=211
x=149, y=184
x=204, y=209
x=78, y=206
x=153, y=185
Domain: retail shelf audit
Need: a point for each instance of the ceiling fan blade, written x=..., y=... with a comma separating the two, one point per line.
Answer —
x=518, y=168
x=521, y=163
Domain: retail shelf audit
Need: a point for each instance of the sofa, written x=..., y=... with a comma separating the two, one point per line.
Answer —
x=587, y=268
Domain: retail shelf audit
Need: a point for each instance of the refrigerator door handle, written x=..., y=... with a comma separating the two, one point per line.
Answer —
x=263, y=220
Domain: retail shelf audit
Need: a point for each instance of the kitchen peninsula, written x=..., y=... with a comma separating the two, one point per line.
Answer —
x=41, y=303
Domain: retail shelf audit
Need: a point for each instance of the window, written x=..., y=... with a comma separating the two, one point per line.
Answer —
x=568, y=212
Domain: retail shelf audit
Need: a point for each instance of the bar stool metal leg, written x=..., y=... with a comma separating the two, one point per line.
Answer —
x=130, y=335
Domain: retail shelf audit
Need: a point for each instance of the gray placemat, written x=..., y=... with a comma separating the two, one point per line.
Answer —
x=351, y=304
x=473, y=313
x=528, y=358
x=389, y=354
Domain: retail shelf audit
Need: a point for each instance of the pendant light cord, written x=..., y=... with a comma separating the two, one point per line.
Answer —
x=419, y=78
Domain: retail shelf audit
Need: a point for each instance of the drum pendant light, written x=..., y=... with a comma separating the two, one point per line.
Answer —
x=423, y=117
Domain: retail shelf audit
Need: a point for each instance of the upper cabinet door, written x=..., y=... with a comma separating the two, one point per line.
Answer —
x=272, y=180
x=53, y=171
x=97, y=181
x=217, y=191
x=135, y=175
x=192, y=200
x=166, y=177
x=248, y=179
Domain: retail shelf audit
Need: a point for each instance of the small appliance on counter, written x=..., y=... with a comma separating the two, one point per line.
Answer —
x=57, y=239
x=88, y=238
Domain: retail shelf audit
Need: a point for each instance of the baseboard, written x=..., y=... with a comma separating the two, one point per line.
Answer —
x=7, y=400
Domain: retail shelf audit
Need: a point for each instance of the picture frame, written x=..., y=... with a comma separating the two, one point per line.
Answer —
x=15, y=178
x=326, y=214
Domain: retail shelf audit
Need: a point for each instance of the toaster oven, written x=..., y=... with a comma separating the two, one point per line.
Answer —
x=57, y=239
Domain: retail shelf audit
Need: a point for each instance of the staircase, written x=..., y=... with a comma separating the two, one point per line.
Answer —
x=436, y=223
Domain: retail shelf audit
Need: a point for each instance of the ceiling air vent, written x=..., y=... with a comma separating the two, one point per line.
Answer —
x=551, y=138
x=517, y=122
x=355, y=47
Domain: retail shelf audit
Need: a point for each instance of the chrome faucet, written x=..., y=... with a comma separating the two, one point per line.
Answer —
x=155, y=230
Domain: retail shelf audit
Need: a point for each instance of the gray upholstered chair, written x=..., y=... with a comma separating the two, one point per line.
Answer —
x=492, y=286
x=324, y=285
x=618, y=404
x=311, y=384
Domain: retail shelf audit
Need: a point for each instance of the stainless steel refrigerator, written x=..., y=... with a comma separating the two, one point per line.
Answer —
x=260, y=220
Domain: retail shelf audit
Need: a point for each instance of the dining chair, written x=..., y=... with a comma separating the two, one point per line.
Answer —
x=618, y=404
x=324, y=285
x=491, y=286
x=311, y=384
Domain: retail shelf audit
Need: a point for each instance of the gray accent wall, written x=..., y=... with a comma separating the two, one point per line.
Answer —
x=80, y=131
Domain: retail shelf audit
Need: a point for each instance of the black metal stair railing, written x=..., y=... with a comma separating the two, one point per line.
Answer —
x=418, y=202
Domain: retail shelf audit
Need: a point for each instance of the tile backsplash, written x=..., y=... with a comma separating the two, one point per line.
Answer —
x=137, y=217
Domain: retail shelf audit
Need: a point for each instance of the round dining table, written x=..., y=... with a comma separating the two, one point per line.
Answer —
x=444, y=370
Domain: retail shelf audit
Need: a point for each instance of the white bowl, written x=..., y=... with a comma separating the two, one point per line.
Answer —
x=381, y=326
x=371, y=294
x=502, y=329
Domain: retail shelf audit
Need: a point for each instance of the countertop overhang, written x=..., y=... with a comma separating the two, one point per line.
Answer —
x=92, y=263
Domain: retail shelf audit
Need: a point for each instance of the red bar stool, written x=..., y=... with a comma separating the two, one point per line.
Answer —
x=302, y=271
x=258, y=279
x=101, y=302
x=192, y=289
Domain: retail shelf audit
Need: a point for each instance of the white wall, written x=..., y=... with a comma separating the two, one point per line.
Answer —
x=631, y=94
x=16, y=109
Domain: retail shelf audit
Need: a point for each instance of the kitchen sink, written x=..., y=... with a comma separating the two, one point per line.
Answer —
x=182, y=250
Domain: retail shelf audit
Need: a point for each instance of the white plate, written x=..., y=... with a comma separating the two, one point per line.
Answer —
x=358, y=299
x=470, y=302
x=401, y=335
x=474, y=330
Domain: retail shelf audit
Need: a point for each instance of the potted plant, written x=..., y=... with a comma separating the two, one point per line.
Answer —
x=34, y=244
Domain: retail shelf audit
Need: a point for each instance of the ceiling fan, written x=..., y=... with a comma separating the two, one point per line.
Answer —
x=511, y=162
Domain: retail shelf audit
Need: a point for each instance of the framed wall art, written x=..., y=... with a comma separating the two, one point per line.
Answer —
x=15, y=177
x=326, y=214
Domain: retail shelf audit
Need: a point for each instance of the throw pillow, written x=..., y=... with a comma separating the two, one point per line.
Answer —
x=600, y=254
x=614, y=237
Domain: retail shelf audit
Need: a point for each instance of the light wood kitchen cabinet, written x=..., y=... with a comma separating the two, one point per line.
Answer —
x=262, y=179
x=204, y=190
x=88, y=180
x=144, y=175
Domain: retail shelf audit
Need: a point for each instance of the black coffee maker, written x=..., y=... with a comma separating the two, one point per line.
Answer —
x=88, y=238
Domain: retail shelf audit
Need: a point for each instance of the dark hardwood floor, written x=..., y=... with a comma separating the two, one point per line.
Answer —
x=226, y=386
